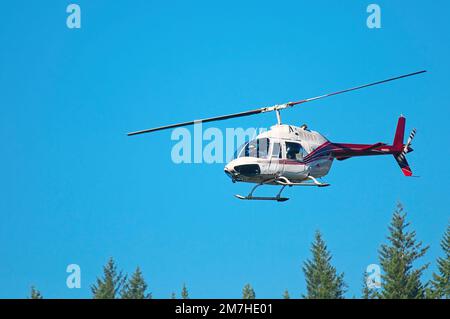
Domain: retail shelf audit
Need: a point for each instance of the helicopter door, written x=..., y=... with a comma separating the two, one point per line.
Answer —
x=275, y=166
x=295, y=168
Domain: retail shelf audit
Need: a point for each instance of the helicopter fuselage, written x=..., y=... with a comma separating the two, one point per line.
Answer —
x=284, y=150
x=296, y=154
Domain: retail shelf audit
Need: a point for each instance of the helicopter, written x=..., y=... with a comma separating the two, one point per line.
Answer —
x=287, y=155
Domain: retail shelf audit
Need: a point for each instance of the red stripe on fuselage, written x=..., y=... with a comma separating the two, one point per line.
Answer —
x=336, y=150
x=346, y=150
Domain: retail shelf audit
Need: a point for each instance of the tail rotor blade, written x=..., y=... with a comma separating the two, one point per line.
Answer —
x=406, y=148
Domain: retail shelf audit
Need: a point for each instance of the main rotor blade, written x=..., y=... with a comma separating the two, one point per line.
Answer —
x=268, y=109
x=354, y=88
x=217, y=118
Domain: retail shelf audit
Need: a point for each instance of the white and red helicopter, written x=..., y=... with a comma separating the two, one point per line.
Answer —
x=287, y=155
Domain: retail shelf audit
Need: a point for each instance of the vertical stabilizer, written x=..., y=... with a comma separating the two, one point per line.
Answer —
x=399, y=133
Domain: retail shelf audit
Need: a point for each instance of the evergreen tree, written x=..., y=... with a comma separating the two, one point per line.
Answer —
x=184, y=292
x=322, y=280
x=136, y=287
x=286, y=295
x=368, y=292
x=111, y=283
x=173, y=296
x=248, y=292
x=440, y=284
x=35, y=294
x=400, y=279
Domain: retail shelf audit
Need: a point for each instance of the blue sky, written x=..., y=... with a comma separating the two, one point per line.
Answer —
x=75, y=189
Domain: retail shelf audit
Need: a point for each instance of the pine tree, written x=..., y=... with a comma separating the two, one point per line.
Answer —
x=440, y=284
x=322, y=280
x=35, y=294
x=248, y=292
x=173, y=296
x=368, y=292
x=286, y=295
x=136, y=287
x=400, y=279
x=111, y=283
x=184, y=292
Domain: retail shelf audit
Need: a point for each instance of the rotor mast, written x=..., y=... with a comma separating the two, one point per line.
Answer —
x=278, y=117
x=277, y=109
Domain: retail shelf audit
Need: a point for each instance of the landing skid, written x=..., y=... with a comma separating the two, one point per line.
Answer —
x=314, y=182
x=283, y=181
x=278, y=199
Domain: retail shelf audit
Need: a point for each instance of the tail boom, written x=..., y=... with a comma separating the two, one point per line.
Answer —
x=398, y=149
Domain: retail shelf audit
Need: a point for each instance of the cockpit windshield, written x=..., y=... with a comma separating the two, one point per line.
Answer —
x=255, y=148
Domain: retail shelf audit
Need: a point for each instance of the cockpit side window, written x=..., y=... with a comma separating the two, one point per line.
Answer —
x=295, y=151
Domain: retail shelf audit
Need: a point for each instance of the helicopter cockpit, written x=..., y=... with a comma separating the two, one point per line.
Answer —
x=258, y=148
x=266, y=148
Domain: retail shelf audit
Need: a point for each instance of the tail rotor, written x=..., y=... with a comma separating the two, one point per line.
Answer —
x=401, y=156
x=407, y=148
